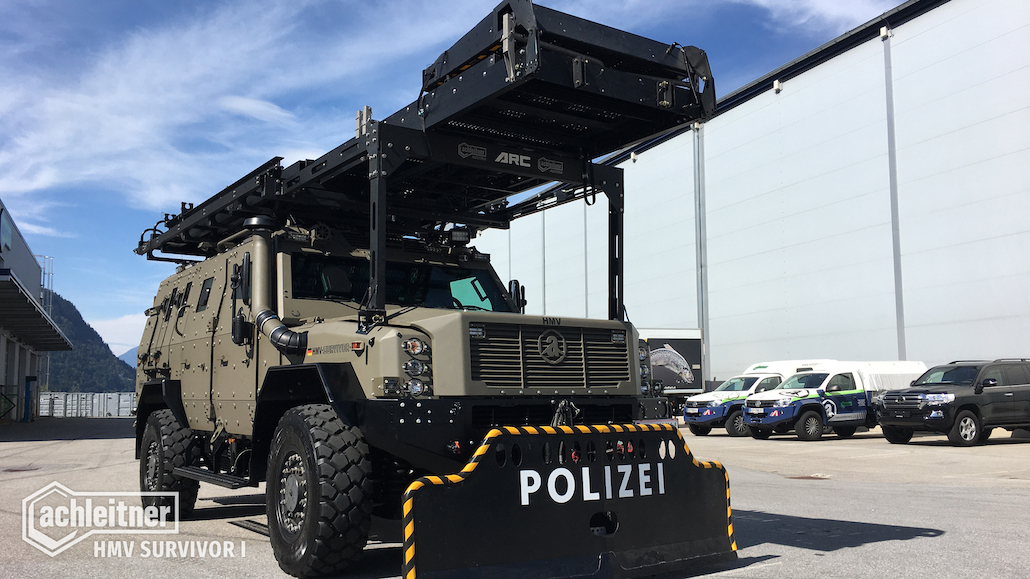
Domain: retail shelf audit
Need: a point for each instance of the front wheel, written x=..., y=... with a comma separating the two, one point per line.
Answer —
x=318, y=492
x=845, y=431
x=735, y=425
x=966, y=430
x=699, y=429
x=810, y=426
x=165, y=445
x=897, y=434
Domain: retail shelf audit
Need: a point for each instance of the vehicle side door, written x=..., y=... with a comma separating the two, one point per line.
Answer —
x=767, y=383
x=1000, y=384
x=841, y=401
x=1022, y=397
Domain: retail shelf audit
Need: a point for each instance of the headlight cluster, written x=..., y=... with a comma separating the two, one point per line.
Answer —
x=647, y=387
x=938, y=399
x=417, y=367
x=782, y=402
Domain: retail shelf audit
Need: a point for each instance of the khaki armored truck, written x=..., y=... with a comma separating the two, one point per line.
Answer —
x=330, y=331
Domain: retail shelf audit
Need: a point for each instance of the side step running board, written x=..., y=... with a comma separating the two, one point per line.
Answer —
x=216, y=478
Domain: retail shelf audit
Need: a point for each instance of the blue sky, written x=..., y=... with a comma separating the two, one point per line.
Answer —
x=112, y=112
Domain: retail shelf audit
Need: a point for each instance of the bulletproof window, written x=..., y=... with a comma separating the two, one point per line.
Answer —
x=173, y=302
x=205, y=294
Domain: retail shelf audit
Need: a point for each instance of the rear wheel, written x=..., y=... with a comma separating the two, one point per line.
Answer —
x=845, y=431
x=165, y=445
x=735, y=425
x=810, y=426
x=759, y=433
x=318, y=492
x=897, y=434
x=699, y=429
x=966, y=430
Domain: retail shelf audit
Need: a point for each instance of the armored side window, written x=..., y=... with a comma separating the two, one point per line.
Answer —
x=173, y=302
x=205, y=294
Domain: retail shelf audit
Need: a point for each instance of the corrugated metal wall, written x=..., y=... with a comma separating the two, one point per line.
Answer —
x=797, y=185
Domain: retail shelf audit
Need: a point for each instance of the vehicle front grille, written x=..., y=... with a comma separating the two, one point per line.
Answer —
x=759, y=403
x=509, y=356
x=901, y=400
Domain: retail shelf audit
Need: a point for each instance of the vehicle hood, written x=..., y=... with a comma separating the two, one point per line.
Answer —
x=936, y=389
x=717, y=396
x=778, y=394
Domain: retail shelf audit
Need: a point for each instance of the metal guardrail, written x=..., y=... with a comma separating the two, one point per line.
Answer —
x=86, y=404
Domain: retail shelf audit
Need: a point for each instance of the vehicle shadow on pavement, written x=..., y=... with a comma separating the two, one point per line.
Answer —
x=752, y=528
x=231, y=507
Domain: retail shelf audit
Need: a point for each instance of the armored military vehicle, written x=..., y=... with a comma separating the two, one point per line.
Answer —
x=330, y=331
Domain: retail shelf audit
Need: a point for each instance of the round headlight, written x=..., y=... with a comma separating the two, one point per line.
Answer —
x=644, y=371
x=414, y=367
x=416, y=387
x=644, y=387
x=415, y=346
x=642, y=353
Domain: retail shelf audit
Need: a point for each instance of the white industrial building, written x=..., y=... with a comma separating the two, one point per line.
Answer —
x=868, y=201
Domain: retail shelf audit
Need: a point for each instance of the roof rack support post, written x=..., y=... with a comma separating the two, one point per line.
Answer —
x=608, y=178
x=374, y=311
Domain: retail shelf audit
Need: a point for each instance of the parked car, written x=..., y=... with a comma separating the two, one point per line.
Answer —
x=964, y=399
x=724, y=406
x=839, y=396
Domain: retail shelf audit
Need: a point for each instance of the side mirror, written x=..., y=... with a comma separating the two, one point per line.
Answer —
x=988, y=382
x=242, y=330
x=518, y=294
x=761, y=389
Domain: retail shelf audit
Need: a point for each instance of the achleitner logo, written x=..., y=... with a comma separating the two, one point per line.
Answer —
x=55, y=517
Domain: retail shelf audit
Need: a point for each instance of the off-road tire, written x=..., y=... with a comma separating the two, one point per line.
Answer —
x=966, y=431
x=318, y=492
x=735, y=425
x=845, y=431
x=165, y=445
x=809, y=426
x=897, y=434
x=699, y=429
x=759, y=433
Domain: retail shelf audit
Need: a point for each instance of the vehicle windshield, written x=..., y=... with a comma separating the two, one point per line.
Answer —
x=737, y=384
x=798, y=381
x=948, y=375
x=345, y=279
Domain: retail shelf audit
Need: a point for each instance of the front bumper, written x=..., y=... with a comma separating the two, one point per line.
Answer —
x=924, y=417
x=707, y=415
x=769, y=416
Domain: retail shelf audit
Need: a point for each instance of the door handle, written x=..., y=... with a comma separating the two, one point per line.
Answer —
x=1009, y=394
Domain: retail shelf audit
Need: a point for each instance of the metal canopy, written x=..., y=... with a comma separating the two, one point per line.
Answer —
x=23, y=317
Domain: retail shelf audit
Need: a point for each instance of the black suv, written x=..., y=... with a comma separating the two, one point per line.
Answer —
x=965, y=399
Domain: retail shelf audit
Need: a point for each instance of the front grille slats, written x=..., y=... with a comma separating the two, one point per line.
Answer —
x=509, y=357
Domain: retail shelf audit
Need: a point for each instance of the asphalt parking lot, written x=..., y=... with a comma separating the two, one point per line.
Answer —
x=831, y=508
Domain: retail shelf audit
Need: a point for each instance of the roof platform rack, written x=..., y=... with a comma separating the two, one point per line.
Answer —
x=528, y=97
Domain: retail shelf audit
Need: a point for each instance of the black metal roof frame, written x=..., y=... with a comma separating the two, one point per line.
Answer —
x=528, y=97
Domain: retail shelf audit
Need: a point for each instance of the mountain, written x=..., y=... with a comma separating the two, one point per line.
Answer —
x=90, y=366
x=129, y=357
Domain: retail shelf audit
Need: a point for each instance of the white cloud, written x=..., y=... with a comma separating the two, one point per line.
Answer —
x=121, y=334
x=257, y=109
x=833, y=16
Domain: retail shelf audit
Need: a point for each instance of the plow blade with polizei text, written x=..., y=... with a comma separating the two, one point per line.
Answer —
x=580, y=501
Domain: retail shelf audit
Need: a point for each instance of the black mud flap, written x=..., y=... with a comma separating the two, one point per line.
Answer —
x=582, y=501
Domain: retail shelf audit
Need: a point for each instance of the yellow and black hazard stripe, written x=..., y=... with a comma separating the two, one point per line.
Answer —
x=408, y=520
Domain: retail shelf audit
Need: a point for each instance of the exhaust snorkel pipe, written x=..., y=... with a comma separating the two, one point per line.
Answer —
x=266, y=321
